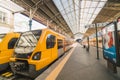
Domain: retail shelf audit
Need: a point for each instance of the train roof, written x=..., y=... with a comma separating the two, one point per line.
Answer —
x=47, y=29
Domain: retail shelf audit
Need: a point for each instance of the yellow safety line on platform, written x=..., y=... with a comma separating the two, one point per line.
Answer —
x=56, y=71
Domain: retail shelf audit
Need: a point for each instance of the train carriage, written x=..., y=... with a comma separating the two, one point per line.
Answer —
x=7, y=42
x=35, y=50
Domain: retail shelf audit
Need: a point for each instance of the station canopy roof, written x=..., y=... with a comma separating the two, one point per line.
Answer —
x=79, y=13
x=71, y=16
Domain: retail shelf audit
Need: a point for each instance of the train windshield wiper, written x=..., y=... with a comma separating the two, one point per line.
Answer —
x=32, y=39
x=27, y=39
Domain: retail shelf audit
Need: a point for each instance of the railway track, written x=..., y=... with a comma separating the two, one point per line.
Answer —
x=8, y=75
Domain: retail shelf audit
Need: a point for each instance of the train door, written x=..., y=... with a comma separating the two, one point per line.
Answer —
x=50, y=46
x=53, y=47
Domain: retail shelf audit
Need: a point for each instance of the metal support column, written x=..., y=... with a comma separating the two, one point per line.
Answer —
x=32, y=12
x=30, y=24
x=97, y=42
x=47, y=23
x=88, y=44
x=30, y=21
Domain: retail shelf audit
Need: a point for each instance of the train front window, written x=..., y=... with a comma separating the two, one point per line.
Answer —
x=27, y=42
x=1, y=37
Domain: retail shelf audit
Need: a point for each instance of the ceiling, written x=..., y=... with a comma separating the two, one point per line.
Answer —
x=109, y=13
x=79, y=13
x=71, y=16
x=46, y=13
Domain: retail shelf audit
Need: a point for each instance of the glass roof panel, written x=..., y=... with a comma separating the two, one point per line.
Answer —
x=76, y=2
x=82, y=4
x=70, y=2
x=97, y=10
x=88, y=3
x=58, y=4
x=94, y=4
x=103, y=0
x=82, y=10
x=86, y=10
x=101, y=4
x=79, y=13
x=65, y=4
x=91, y=10
x=89, y=16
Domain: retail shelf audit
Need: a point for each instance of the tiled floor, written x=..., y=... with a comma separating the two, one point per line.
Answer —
x=84, y=66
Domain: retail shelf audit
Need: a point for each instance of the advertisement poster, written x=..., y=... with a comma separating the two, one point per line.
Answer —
x=109, y=50
x=118, y=25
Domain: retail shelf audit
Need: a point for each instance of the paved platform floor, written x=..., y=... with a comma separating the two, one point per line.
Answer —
x=84, y=66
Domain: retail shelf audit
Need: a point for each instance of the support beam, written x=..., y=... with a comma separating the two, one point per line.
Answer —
x=112, y=6
x=97, y=42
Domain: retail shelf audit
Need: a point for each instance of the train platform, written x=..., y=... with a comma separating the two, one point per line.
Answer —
x=78, y=64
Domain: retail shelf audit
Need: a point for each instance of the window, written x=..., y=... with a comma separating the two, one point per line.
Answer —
x=50, y=42
x=66, y=42
x=11, y=43
x=37, y=33
x=3, y=17
x=60, y=43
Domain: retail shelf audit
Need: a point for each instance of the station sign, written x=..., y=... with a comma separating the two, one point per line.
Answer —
x=97, y=25
x=99, y=34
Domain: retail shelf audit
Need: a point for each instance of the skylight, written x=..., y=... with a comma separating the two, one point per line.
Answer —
x=78, y=13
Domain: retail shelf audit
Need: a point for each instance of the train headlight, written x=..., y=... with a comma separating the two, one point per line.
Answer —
x=37, y=56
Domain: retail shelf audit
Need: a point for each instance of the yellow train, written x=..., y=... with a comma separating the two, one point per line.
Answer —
x=35, y=50
x=92, y=42
x=7, y=42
